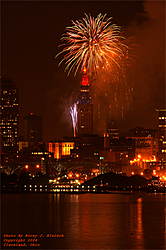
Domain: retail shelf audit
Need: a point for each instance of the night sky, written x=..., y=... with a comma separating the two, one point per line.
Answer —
x=30, y=36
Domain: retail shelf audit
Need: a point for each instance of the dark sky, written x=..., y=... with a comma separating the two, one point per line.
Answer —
x=31, y=32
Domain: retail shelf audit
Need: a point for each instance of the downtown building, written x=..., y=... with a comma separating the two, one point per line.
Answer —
x=32, y=152
x=87, y=145
x=146, y=143
x=9, y=117
x=32, y=138
x=61, y=148
x=84, y=109
x=161, y=135
x=112, y=129
x=33, y=128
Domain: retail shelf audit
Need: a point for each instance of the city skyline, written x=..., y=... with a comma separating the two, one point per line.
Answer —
x=30, y=41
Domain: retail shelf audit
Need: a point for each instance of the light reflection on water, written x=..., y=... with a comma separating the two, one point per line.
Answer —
x=88, y=221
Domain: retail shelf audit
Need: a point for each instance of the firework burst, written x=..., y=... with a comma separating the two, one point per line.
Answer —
x=93, y=43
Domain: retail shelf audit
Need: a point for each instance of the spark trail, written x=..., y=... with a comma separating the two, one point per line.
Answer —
x=73, y=112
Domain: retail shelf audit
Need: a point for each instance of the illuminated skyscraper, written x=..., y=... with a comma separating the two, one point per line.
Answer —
x=162, y=134
x=84, y=109
x=9, y=115
x=33, y=128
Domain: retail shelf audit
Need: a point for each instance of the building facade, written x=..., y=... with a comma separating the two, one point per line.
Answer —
x=146, y=147
x=33, y=128
x=161, y=134
x=142, y=132
x=9, y=115
x=60, y=148
x=112, y=129
x=87, y=147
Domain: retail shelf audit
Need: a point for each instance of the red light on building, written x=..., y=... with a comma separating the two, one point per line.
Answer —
x=31, y=113
x=84, y=70
x=85, y=81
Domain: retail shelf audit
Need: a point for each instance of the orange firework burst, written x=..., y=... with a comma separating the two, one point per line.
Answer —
x=93, y=43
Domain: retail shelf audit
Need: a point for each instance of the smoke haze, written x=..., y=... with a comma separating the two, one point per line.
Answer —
x=149, y=82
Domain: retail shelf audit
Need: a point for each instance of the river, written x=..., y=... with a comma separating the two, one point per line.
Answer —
x=83, y=221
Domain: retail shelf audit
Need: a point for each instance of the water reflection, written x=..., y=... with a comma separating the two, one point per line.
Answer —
x=136, y=229
x=165, y=222
x=139, y=221
x=90, y=221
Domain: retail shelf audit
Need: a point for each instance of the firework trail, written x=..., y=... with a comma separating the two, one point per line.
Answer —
x=73, y=112
x=93, y=43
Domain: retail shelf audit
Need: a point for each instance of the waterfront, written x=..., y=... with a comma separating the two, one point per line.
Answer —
x=84, y=221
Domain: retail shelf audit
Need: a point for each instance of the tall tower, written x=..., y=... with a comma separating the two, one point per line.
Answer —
x=33, y=128
x=84, y=108
x=9, y=115
x=161, y=134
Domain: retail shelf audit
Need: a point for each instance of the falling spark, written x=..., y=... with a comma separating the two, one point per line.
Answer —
x=73, y=112
x=93, y=43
